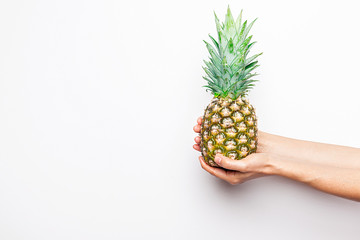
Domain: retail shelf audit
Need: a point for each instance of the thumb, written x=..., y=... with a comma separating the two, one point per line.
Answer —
x=231, y=164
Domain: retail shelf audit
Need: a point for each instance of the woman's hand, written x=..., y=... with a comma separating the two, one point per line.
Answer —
x=328, y=168
x=234, y=171
x=237, y=171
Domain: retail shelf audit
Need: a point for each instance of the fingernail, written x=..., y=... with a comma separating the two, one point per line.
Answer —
x=218, y=160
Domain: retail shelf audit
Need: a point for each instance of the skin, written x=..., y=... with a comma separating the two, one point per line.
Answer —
x=329, y=168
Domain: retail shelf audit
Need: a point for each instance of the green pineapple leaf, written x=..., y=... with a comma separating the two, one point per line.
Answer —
x=229, y=69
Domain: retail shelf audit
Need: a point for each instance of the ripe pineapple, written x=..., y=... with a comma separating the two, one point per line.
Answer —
x=229, y=124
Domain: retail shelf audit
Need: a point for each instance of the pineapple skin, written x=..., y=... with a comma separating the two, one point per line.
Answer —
x=229, y=127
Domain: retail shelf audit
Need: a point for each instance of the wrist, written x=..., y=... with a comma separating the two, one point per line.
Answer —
x=265, y=163
x=274, y=144
x=273, y=164
x=264, y=142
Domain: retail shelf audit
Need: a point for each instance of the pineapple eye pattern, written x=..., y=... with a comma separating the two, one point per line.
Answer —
x=214, y=129
x=245, y=110
x=244, y=149
x=241, y=126
x=242, y=139
x=204, y=152
x=240, y=101
x=225, y=102
x=210, y=145
x=206, y=123
x=220, y=138
x=215, y=118
x=252, y=144
x=250, y=121
x=231, y=132
x=251, y=132
x=237, y=116
x=225, y=112
x=216, y=108
x=217, y=151
x=235, y=106
x=232, y=155
x=227, y=122
x=207, y=113
x=205, y=137
x=230, y=144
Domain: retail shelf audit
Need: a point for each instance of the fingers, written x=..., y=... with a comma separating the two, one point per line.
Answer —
x=228, y=163
x=197, y=147
x=197, y=139
x=197, y=128
x=255, y=162
x=232, y=177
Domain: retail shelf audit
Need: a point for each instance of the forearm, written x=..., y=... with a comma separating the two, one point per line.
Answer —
x=343, y=182
x=332, y=155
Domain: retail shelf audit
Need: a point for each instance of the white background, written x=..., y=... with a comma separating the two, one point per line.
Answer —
x=97, y=104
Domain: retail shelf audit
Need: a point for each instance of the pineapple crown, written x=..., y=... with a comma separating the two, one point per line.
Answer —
x=229, y=69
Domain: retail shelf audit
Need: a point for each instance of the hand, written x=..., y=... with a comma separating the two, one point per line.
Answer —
x=234, y=171
x=330, y=168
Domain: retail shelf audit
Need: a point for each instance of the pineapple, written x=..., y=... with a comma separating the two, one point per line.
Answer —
x=229, y=124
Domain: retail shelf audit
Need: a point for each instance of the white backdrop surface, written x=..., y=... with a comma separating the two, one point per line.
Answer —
x=97, y=104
